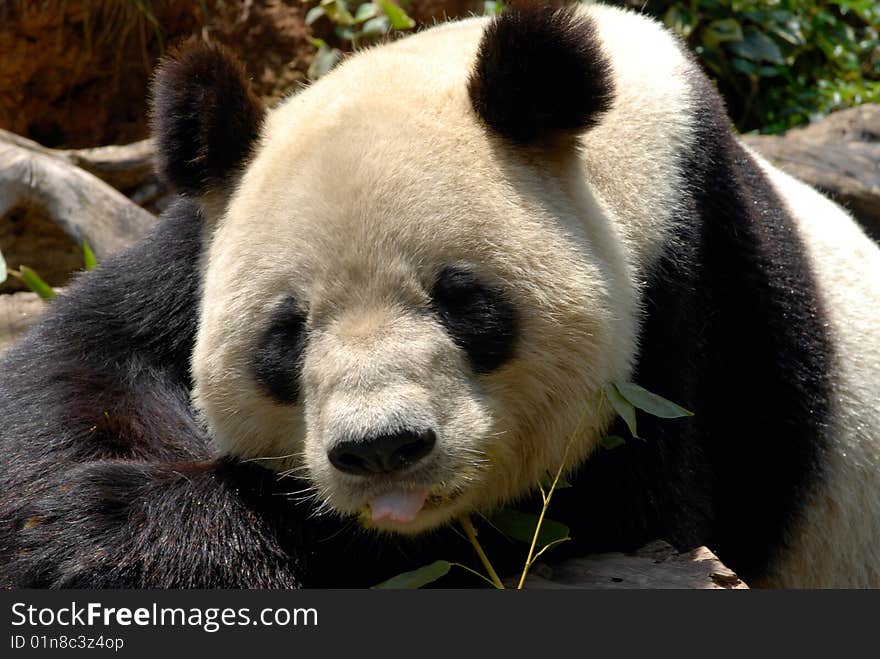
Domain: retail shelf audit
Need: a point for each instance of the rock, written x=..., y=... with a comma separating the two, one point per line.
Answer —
x=18, y=311
x=840, y=155
x=656, y=565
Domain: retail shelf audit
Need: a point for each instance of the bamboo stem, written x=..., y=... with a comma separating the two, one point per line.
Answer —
x=471, y=533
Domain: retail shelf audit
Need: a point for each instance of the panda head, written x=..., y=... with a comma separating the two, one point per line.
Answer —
x=410, y=297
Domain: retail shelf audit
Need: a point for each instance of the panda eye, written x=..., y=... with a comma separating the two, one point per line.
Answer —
x=478, y=317
x=276, y=361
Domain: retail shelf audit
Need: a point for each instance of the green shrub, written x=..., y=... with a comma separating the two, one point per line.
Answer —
x=354, y=24
x=780, y=63
x=358, y=23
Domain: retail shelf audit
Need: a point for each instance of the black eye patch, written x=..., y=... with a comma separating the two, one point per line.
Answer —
x=277, y=359
x=479, y=317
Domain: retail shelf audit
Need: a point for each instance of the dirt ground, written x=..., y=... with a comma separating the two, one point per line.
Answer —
x=76, y=73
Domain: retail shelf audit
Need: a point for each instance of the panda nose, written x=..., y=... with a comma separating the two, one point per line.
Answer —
x=383, y=454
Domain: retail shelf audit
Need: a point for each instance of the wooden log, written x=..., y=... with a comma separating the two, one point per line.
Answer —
x=656, y=565
x=123, y=166
x=85, y=207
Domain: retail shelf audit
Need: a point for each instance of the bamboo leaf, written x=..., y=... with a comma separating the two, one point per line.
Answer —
x=36, y=283
x=416, y=578
x=612, y=442
x=521, y=526
x=89, y=256
x=650, y=402
x=622, y=406
x=561, y=484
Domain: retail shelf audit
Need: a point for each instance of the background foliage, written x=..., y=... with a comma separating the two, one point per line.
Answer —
x=780, y=63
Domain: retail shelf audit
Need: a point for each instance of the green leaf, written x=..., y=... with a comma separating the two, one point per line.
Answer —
x=650, y=402
x=492, y=8
x=398, y=18
x=622, y=406
x=770, y=71
x=547, y=482
x=376, y=26
x=743, y=66
x=716, y=32
x=756, y=46
x=612, y=442
x=344, y=33
x=788, y=29
x=4, y=273
x=325, y=59
x=416, y=578
x=337, y=12
x=89, y=259
x=680, y=20
x=521, y=526
x=314, y=14
x=866, y=9
x=36, y=283
x=713, y=59
x=365, y=12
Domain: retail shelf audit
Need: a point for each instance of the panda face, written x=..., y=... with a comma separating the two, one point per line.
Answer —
x=396, y=421
x=401, y=305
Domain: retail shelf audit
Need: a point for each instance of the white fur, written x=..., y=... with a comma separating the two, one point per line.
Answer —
x=632, y=155
x=333, y=209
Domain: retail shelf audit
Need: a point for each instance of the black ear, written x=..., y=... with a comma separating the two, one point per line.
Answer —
x=205, y=117
x=540, y=73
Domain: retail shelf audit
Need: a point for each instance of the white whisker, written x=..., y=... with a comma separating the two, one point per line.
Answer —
x=271, y=457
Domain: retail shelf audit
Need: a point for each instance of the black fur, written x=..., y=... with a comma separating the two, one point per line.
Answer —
x=478, y=317
x=540, y=73
x=107, y=480
x=735, y=331
x=277, y=360
x=205, y=117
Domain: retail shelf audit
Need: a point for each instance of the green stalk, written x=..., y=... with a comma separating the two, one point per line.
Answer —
x=546, y=496
x=471, y=533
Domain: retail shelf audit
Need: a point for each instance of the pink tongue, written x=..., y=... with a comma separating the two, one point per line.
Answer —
x=398, y=505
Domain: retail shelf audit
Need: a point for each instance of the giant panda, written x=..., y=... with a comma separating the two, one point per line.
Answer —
x=397, y=299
